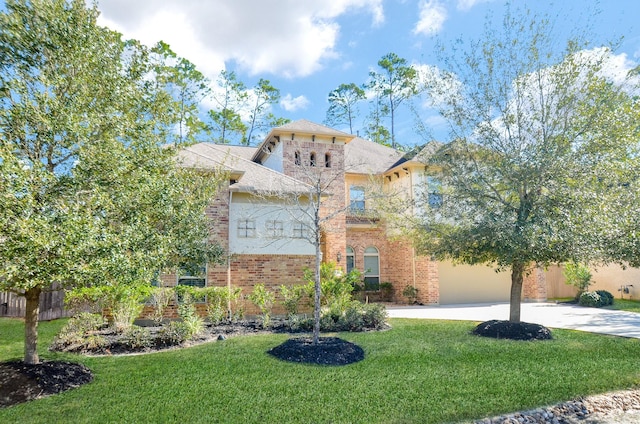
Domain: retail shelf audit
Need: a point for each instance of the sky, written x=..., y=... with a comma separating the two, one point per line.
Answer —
x=307, y=48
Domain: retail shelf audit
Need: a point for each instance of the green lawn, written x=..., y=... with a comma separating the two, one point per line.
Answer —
x=419, y=372
x=625, y=305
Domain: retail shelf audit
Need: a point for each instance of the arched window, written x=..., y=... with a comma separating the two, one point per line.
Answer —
x=371, y=269
x=297, y=159
x=351, y=259
x=327, y=160
x=312, y=159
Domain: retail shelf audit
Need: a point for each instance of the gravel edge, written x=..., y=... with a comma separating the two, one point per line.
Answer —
x=614, y=407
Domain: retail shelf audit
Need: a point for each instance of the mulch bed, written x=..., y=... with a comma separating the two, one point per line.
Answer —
x=512, y=330
x=328, y=351
x=20, y=382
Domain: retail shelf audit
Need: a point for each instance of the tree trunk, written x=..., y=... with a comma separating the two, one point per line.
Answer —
x=316, y=297
x=31, y=325
x=517, y=276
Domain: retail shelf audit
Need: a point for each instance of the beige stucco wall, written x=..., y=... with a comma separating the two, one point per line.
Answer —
x=611, y=278
x=472, y=284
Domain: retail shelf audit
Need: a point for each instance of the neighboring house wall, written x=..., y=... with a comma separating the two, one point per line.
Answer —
x=472, y=284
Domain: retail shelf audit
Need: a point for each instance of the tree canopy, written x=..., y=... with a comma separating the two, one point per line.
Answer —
x=520, y=177
x=90, y=194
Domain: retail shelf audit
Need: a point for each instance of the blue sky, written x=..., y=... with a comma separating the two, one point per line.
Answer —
x=306, y=48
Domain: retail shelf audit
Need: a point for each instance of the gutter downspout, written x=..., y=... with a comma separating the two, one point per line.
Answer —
x=229, y=258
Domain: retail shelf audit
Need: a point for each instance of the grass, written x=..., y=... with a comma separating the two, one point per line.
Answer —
x=618, y=304
x=421, y=371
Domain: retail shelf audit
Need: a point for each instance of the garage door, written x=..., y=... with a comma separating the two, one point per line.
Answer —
x=472, y=284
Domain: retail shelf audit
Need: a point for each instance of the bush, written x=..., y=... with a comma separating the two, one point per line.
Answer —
x=335, y=286
x=78, y=334
x=263, y=299
x=577, y=275
x=291, y=296
x=160, y=298
x=137, y=338
x=174, y=333
x=606, y=297
x=411, y=293
x=357, y=316
x=192, y=323
x=596, y=299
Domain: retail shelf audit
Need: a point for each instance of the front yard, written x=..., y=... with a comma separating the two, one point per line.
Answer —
x=419, y=371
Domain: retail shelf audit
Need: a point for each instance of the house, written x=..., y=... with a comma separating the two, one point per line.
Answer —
x=261, y=217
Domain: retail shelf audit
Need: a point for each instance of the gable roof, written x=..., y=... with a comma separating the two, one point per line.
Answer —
x=252, y=177
x=304, y=126
x=367, y=157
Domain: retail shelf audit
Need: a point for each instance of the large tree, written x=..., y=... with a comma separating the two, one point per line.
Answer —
x=395, y=83
x=527, y=141
x=343, y=105
x=225, y=119
x=263, y=96
x=89, y=194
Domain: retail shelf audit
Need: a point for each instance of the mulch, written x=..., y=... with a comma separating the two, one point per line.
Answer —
x=328, y=351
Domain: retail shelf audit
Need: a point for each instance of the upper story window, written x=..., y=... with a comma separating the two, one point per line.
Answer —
x=312, y=159
x=297, y=158
x=434, y=192
x=246, y=228
x=274, y=228
x=356, y=199
x=299, y=230
x=327, y=160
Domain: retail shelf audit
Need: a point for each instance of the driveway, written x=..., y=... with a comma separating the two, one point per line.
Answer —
x=594, y=320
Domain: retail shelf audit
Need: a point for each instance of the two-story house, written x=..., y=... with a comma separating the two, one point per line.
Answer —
x=263, y=220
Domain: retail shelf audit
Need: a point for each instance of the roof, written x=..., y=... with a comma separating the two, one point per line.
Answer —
x=367, y=157
x=307, y=127
x=253, y=178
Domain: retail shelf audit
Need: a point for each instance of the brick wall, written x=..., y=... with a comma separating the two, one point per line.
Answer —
x=534, y=287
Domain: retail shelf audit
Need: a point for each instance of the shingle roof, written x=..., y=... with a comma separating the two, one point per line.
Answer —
x=308, y=127
x=255, y=178
x=366, y=157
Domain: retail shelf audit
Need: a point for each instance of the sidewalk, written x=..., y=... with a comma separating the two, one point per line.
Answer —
x=594, y=320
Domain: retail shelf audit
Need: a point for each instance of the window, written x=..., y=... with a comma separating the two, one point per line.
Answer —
x=299, y=230
x=356, y=199
x=327, y=160
x=312, y=159
x=434, y=193
x=274, y=228
x=193, y=275
x=297, y=159
x=371, y=269
x=351, y=259
x=246, y=228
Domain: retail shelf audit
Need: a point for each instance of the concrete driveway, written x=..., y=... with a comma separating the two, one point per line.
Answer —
x=594, y=320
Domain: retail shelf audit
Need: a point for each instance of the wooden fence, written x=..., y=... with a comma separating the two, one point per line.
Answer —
x=51, y=305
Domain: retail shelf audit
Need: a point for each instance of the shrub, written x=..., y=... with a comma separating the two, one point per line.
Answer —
x=78, y=334
x=607, y=298
x=291, y=296
x=411, y=293
x=577, y=275
x=160, y=298
x=217, y=303
x=596, y=299
x=387, y=291
x=137, y=338
x=192, y=323
x=357, y=316
x=335, y=286
x=174, y=333
x=263, y=299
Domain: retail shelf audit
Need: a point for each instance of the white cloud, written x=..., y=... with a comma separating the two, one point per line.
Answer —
x=465, y=5
x=432, y=17
x=284, y=37
x=292, y=104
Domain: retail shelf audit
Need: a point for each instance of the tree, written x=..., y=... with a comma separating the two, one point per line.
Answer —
x=226, y=120
x=260, y=119
x=519, y=177
x=187, y=88
x=343, y=105
x=396, y=83
x=89, y=193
